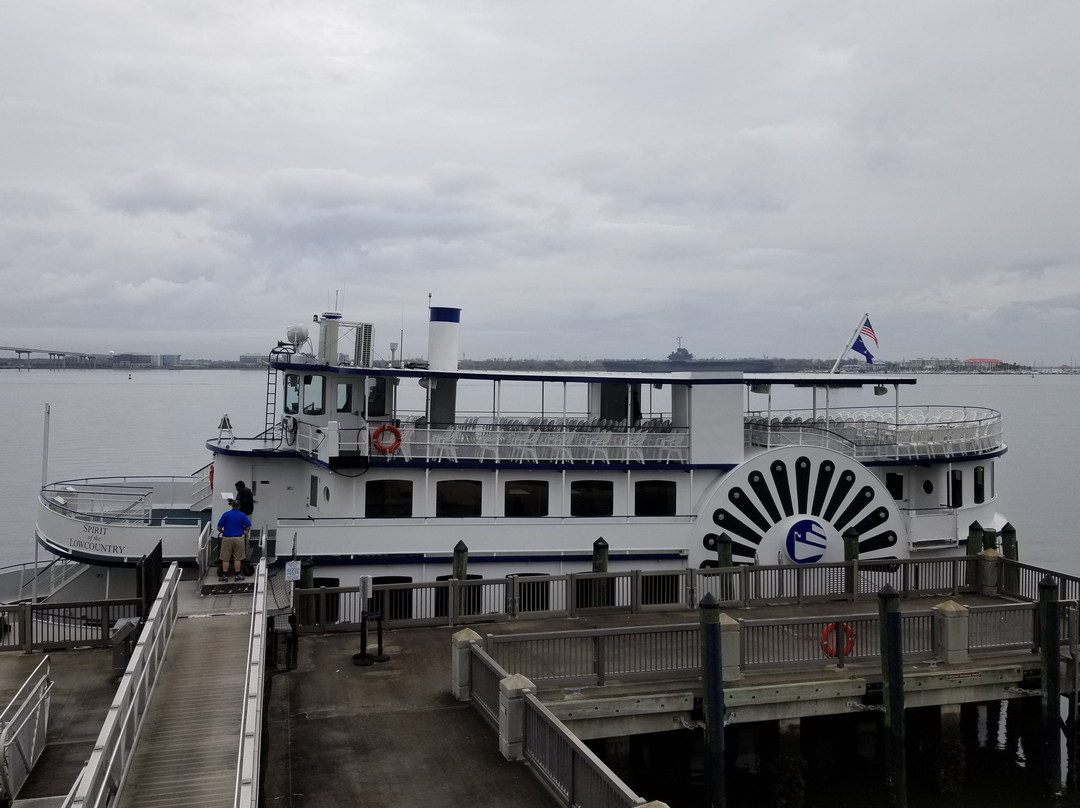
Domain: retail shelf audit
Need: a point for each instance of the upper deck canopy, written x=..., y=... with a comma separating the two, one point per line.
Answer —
x=585, y=377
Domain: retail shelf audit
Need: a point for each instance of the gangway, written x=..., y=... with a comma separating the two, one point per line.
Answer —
x=184, y=726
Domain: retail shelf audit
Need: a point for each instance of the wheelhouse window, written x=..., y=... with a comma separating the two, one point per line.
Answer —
x=526, y=498
x=654, y=498
x=592, y=498
x=388, y=499
x=376, y=397
x=344, y=397
x=314, y=395
x=292, y=393
x=458, y=498
x=979, y=494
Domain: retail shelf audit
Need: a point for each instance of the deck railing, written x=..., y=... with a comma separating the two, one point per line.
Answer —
x=912, y=433
x=474, y=601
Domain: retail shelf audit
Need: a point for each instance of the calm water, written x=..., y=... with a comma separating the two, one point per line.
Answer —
x=157, y=422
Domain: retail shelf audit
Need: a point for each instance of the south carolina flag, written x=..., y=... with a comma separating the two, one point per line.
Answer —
x=859, y=346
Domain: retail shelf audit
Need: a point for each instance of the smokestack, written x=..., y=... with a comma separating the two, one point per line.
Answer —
x=443, y=325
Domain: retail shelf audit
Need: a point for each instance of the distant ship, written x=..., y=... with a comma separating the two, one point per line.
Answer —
x=681, y=360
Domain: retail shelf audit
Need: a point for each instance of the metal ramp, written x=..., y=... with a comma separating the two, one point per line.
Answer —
x=188, y=750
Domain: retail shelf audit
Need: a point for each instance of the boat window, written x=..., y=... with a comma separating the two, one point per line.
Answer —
x=592, y=498
x=956, y=489
x=376, y=397
x=526, y=498
x=388, y=499
x=313, y=491
x=654, y=498
x=980, y=484
x=292, y=393
x=314, y=395
x=344, y=396
x=458, y=498
x=894, y=483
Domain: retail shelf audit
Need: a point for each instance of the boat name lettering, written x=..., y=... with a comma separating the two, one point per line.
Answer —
x=98, y=547
x=97, y=530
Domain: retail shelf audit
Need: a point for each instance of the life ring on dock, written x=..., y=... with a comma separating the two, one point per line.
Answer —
x=389, y=447
x=828, y=642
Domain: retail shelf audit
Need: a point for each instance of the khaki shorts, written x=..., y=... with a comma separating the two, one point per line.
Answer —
x=232, y=548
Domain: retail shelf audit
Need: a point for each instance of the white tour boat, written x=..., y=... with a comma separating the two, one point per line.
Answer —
x=382, y=468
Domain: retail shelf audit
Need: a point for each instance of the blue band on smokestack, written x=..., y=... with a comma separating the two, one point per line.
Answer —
x=442, y=314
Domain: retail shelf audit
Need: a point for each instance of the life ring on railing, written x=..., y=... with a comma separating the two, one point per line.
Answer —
x=288, y=427
x=828, y=639
x=211, y=476
x=389, y=447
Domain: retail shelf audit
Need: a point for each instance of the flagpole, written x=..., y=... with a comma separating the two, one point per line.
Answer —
x=850, y=342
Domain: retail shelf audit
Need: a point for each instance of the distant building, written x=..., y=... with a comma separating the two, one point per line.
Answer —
x=253, y=360
x=981, y=365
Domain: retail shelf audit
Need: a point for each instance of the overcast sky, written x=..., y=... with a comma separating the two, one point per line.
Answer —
x=585, y=178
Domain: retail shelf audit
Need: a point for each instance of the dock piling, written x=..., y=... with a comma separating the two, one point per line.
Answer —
x=712, y=669
x=892, y=677
x=1051, y=689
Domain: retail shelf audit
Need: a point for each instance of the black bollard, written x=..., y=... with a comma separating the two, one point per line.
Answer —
x=1051, y=690
x=363, y=658
x=892, y=678
x=378, y=656
x=712, y=668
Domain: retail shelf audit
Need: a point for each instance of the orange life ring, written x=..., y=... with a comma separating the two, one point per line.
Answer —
x=828, y=644
x=211, y=476
x=390, y=447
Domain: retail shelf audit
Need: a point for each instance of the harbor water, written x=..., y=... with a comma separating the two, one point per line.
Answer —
x=104, y=423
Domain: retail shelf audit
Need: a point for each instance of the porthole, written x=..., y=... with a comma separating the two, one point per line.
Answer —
x=326, y=494
x=928, y=486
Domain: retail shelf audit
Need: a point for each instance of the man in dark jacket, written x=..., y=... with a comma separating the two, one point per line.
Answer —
x=244, y=498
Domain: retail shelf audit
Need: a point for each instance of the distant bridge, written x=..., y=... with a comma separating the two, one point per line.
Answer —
x=57, y=359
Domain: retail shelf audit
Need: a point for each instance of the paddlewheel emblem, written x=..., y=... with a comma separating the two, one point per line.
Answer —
x=792, y=505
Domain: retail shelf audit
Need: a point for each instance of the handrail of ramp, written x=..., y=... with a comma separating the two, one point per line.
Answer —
x=247, y=770
x=104, y=772
x=24, y=724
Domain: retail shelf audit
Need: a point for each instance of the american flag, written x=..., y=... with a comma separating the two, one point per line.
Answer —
x=867, y=330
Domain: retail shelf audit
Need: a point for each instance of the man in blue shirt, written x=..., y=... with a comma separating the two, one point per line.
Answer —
x=233, y=527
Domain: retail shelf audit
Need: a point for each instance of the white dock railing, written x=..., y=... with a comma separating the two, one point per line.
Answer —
x=24, y=723
x=104, y=772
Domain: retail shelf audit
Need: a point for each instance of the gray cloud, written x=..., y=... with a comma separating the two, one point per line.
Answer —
x=582, y=179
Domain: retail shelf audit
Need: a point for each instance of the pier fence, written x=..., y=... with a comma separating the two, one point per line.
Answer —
x=460, y=602
x=529, y=731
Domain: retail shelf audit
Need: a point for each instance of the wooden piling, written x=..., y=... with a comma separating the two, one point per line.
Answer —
x=712, y=670
x=1051, y=689
x=892, y=677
